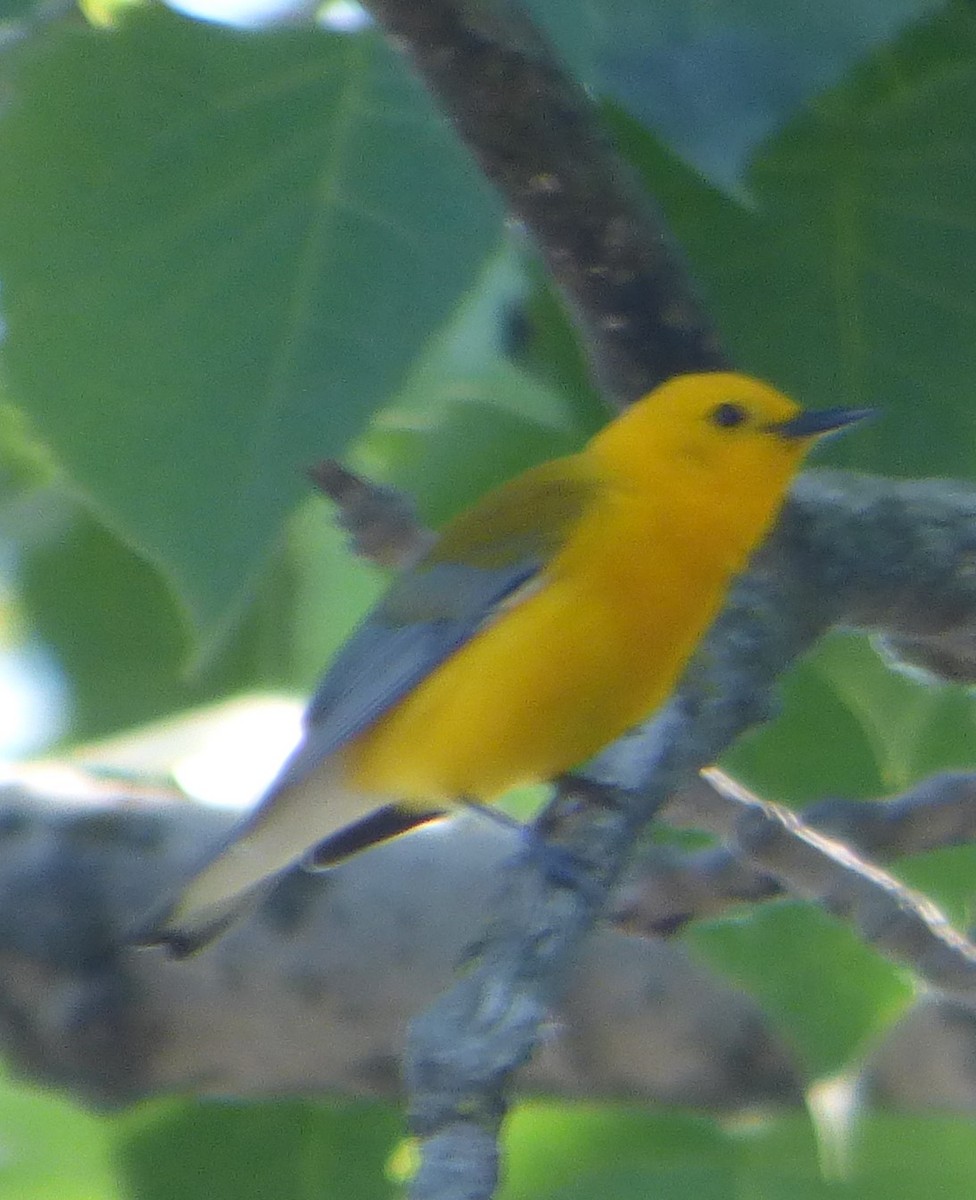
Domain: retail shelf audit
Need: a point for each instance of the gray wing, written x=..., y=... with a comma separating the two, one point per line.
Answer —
x=423, y=619
x=482, y=558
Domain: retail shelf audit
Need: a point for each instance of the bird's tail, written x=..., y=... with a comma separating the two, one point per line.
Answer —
x=317, y=817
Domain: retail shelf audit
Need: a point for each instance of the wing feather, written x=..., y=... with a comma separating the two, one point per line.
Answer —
x=477, y=567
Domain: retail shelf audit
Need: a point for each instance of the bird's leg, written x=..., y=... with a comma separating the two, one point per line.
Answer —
x=561, y=866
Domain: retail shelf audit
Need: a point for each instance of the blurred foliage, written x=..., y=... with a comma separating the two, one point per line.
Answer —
x=714, y=79
x=294, y=1148
x=49, y=1147
x=218, y=252
x=845, y=278
x=818, y=983
x=226, y=255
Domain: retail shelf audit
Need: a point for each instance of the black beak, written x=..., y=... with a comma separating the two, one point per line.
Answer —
x=817, y=422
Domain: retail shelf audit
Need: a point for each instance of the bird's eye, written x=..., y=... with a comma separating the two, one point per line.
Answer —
x=728, y=415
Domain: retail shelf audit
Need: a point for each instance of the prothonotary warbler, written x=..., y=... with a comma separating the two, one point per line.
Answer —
x=545, y=621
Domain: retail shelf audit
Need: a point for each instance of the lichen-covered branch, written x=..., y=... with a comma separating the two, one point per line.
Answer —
x=668, y=889
x=81, y=858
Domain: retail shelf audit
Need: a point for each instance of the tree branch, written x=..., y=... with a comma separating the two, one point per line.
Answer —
x=82, y=857
x=381, y=522
x=539, y=139
x=666, y=889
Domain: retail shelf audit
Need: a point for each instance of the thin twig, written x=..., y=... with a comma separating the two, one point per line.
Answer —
x=381, y=521
x=667, y=889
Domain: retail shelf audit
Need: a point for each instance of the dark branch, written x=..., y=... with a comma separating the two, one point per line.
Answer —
x=380, y=521
x=539, y=139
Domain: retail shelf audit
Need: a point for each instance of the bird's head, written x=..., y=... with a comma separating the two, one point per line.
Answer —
x=719, y=432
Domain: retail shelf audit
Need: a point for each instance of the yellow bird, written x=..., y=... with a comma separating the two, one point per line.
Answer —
x=544, y=622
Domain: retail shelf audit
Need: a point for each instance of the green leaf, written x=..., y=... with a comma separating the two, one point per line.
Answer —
x=885, y=729
x=291, y=1150
x=468, y=416
x=902, y=1157
x=482, y=356
x=331, y=588
x=715, y=79
x=819, y=984
x=119, y=638
x=571, y=1152
x=23, y=462
x=944, y=876
x=17, y=12
x=550, y=1147
x=219, y=253
x=51, y=1147
x=785, y=760
x=110, y=622
x=847, y=284
x=914, y=724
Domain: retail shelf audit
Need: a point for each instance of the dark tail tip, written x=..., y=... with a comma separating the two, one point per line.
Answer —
x=180, y=941
x=175, y=944
x=381, y=825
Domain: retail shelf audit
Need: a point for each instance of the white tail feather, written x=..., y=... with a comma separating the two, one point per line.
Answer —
x=277, y=834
